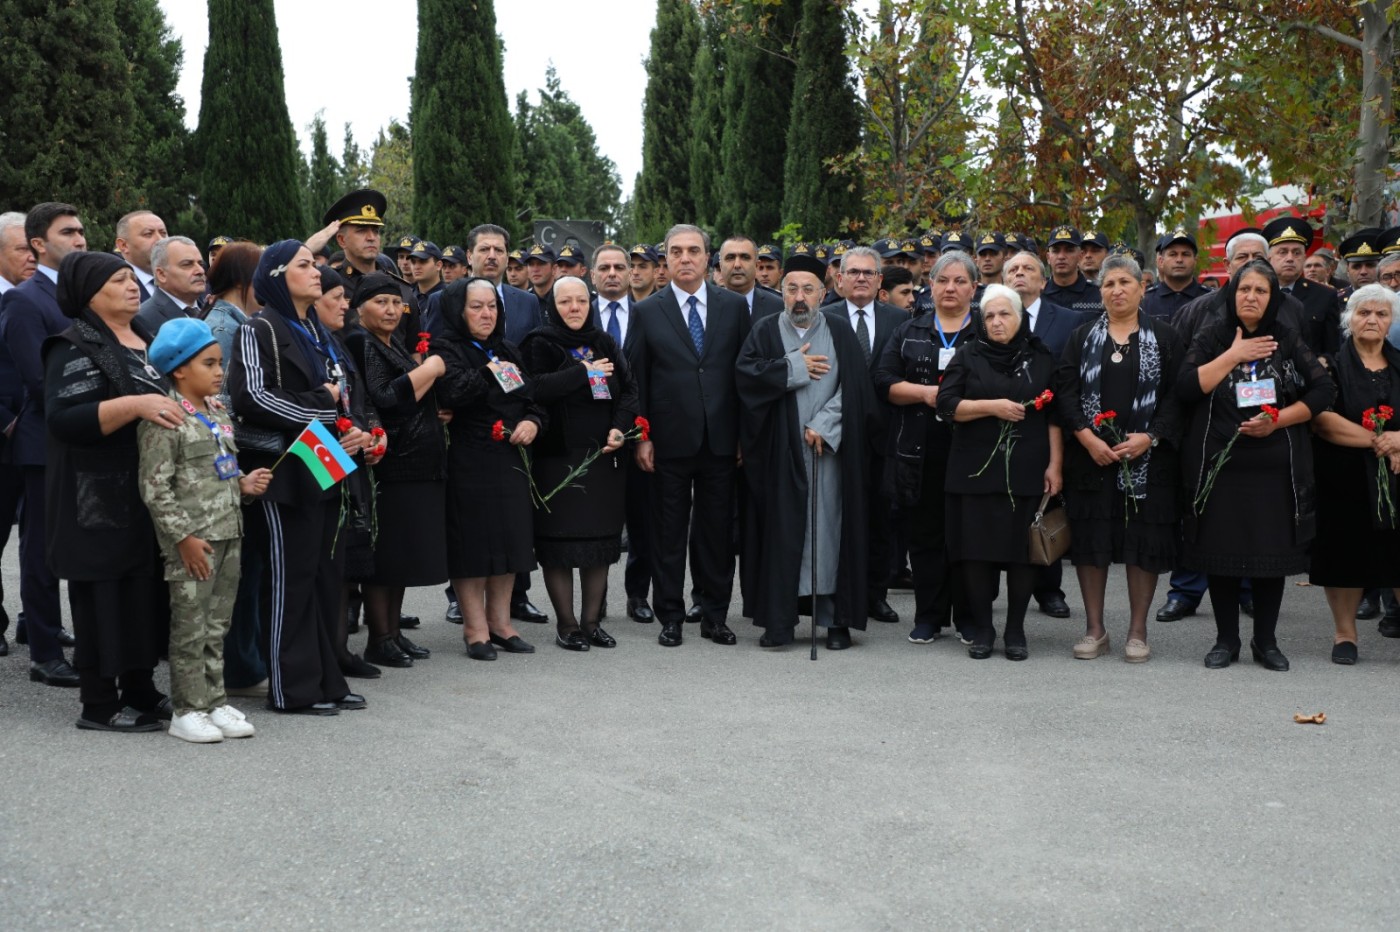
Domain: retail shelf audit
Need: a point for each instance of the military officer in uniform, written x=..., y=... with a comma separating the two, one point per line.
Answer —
x=399, y=252
x=1069, y=287
x=516, y=276
x=361, y=218
x=990, y=257
x=1096, y=249
x=1176, y=276
x=454, y=264
x=770, y=266
x=642, y=267
x=1288, y=239
x=1362, y=256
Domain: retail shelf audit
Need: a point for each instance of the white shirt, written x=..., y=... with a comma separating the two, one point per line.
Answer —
x=5, y=284
x=52, y=274
x=748, y=299
x=682, y=298
x=852, y=310
x=148, y=281
x=1032, y=312
x=624, y=314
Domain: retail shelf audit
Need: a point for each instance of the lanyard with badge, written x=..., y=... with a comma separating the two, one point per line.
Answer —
x=597, y=380
x=945, y=354
x=334, y=370
x=1255, y=391
x=225, y=464
x=506, y=372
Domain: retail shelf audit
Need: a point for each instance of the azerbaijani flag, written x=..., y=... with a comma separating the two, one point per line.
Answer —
x=322, y=454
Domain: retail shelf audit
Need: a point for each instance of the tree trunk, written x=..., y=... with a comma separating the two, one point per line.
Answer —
x=1373, y=136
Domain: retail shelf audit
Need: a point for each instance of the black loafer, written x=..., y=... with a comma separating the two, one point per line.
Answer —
x=1367, y=610
x=1175, y=610
x=639, y=611
x=316, y=708
x=412, y=649
x=359, y=669
x=694, y=613
x=600, y=638
x=880, y=610
x=351, y=702
x=454, y=613
x=769, y=640
x=524, y=611
x=126, y=721
x=65, y=638
x=1055, y=607
x=1389, y=626
x=514, y=644
x=718, y=632
x=387, y=653
x=1344, y=653
x=54, y=672
x=1270, y=658
x=408, y=622
x=670, y=635
x=1016, y=651
x=573, y=639
x=838, y=637
x=979, y=651
x=1221, y=656
x=903, y=580
x=481, y=650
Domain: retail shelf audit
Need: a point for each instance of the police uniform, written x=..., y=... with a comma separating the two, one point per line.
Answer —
x=1320, y=324
x=364, y=207
x=426, y=250
x=1362, y=246
x=1080, y=295
x=1160, y=302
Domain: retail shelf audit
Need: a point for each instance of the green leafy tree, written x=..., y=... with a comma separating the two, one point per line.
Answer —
x=245, y=147
x=819, y=191
x=463, y=171
x=391, y=172
x=662, y=195
x=354, y=170
x=565, y=174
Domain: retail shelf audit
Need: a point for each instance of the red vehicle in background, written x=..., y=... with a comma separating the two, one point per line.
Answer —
x=1217, y=229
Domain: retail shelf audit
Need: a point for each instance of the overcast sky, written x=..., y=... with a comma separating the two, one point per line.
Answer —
x=597, y=47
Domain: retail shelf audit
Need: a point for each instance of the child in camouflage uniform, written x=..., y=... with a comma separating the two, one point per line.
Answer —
x=193, y=490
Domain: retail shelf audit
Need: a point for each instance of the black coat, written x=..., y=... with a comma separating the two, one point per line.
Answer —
x=779, y=505
x=417, y=439
x=576, y=420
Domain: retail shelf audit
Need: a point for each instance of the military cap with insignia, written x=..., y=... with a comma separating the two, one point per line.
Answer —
x=822, y=251
x=1096, y=238
x=839, y=250
x=404, y=243
x=647, y=253
x=660, y=251
x=769, y=251
x=515, y=256
x=570, y=255
x=364, y=207
x=1121, y=248
x=928, y=244
x=538, y=253
x=991, y=242
x=891, y=247
x=219, y=242
x=455, y=255
x=1027, y=243
x=801, y=249
x=1065, y=235
x=1177, y=235
x=1288, y=230
x=957, y=241
x=1361, y=246
x=1389, y=241
x=425, y=250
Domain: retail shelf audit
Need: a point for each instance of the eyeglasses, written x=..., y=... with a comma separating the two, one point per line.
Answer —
x=861, y=273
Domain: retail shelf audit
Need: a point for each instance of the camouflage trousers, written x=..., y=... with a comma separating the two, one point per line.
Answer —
x=199, y=618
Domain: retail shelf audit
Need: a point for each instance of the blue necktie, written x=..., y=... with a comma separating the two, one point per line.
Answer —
x=614, y=330
x=697, y=329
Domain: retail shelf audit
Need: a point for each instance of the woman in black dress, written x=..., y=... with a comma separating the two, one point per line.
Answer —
x=996, y=480
x=490, y=516
x=1124, y=363
x=581, y=525
x=907, y=375
x=97, y=385
x=1257, y=520
x=1358, y=539
x=410, y=478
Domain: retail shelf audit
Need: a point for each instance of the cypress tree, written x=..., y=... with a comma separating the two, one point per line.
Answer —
x=825, y=124
x=66, y=111
x=663, y=193
x=245, y=147
x=323, y=174
x=463, y=173
x=707, y=112
x=391, y=171
x=758, y=80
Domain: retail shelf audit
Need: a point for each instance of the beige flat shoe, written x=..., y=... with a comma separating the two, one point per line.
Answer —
x=1087, y=648
x=1136, y=651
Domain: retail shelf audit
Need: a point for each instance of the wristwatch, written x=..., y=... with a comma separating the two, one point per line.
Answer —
x=1153, y=437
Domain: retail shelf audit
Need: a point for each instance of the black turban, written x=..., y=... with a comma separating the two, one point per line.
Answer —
x=82, y=275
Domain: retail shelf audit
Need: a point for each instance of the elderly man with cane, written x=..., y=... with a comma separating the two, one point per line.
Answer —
x=808, y=415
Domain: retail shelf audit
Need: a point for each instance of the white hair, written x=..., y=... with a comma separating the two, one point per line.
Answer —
x=162, y=247
x=1370, y=294
x=1235, y=243
x=994, y=292
x=11, y=219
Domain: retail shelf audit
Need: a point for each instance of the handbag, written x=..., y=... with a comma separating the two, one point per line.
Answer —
x=251, y=437
x=1049, y=534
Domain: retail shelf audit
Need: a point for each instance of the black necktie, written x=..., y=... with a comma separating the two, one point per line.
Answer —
x=863, y=334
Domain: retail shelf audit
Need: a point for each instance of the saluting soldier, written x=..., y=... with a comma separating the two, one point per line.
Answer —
x=1176, y=277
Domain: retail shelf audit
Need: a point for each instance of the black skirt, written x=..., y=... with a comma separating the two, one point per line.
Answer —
x=490, y=525
x=989, y=528
x=1106, y=529
x=582, y=525
x=1349, y=550
x=410, y=548
x=1246, y=527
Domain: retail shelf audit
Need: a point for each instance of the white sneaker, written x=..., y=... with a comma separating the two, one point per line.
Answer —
x=231, y=722
x=196, y=727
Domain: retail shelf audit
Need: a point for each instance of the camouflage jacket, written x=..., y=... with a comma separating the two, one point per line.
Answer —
x=179, y=485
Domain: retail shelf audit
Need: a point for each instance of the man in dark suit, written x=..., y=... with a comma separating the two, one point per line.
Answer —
x=858, y=278
x=1053, y=324
x=686, y=346
x=28, y=317
x=1320, y=326
x=179, y=282
x=738, y=272
x=137, y=234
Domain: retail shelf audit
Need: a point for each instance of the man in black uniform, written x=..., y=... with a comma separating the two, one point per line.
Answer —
x=425, y=262
x=1320, y=326
x=770, y=266
x=642, y=266
x=1176, y=276
x=1362, y=256
x=1096, y=249
x=1068, y=287
x=399, y=252
x=454, y=264
x=990, y=257
x=361, y=218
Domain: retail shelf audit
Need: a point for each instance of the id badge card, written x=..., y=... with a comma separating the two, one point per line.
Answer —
x=945, y=356
x=1254, y=394
x=226, y=466
x=598, y=384
x=508, y=376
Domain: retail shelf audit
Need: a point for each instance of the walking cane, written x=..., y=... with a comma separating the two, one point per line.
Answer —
x=816, y=459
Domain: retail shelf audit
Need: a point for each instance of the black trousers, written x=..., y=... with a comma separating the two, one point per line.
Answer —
x=706, y=482
x=119, y=642
x=637, y=576
x=1049, y=582
x=38, y=587
x=299, y=600
x=939, y=590
x=11, y=494
x=880, y=526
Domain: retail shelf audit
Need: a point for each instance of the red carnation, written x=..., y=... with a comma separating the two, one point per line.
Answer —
x=424, y=339
x=498, y=431
x=1367, y=421
x=376, y=432
x=1043, y=399
x=1387, y=412
x=1271, y=411
x=1104, y=416
x=643, y=425
x=343, y=424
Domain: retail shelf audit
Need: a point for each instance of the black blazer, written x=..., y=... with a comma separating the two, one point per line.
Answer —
x=765, y=303
x=691, y=401
x=887, y=318
x=157, y=309
x=1055, y=324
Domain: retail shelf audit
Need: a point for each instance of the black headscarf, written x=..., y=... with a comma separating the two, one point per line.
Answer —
x=81, y=275
x=1269, y=321
x=270, y=285
x=452, y=304
x=372, y=286
x=560, y=334
x=1006, y=357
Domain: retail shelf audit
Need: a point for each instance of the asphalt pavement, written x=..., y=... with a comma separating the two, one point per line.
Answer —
x=890, y=786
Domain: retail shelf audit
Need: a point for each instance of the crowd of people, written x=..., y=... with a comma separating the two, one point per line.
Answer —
x=910, y=411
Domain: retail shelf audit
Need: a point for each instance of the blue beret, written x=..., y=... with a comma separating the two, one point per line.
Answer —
x=179, y=341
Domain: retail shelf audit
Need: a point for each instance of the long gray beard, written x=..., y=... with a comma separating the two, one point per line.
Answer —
x=801, y=315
